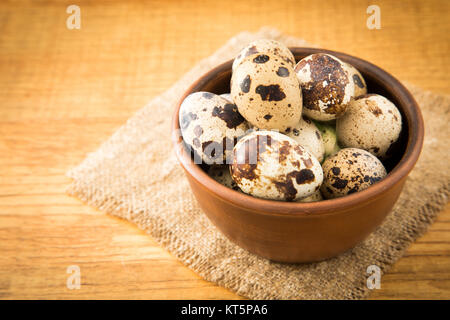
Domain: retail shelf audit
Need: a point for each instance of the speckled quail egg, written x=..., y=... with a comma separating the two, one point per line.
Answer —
x=271, y=165
x=316, y=196
x=227, y=96
x=221, y=173
x=372, y=123
x=329, y=137
x=327, y=86
x=350, y=170
x=265, y=46
x=211, y=126
x=308, y=135
x=266, y=92
x=358, y=80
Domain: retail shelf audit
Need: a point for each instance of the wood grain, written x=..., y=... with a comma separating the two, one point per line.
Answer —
x=63, y=92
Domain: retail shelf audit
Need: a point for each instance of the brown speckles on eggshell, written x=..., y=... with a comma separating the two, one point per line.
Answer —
x=283, y=72
x=271, y=92
x=196, y=142
x=296, y=163
x=206, y=121
x=198, y=130
x=228, y=113
x=336, y=171
x=266, y=46
x=268, y=92
x=375, y=149
x=304, y=176
x=326, y=86
x=284, y=150
x=371, y=123
x=344, y=175
x=186, y=119
x=245, y=84
x=212, y=149
x=339, y=183
x=307, y=162
x=299, y=150
x=285, y=184
x=247, y=157
x=307, y=135
x=244, y=171
x=357, y=80
x=283, y=169
x=373, y=107
x=285, y=187
x=262, y=58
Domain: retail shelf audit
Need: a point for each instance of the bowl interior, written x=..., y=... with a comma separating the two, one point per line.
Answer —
x=404, y=153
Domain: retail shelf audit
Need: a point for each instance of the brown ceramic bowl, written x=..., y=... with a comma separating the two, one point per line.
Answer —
x=306, y=232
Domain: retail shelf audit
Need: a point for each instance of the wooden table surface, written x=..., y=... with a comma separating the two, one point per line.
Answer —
x=63, y=92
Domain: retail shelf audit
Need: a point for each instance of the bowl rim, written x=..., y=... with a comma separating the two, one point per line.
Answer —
x=325, y=207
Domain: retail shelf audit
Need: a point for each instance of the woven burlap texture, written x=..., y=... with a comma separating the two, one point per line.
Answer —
x=135, y=175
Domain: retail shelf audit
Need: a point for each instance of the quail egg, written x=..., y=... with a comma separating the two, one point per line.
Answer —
x=327, y=86
x=350, y=170
x=221, y=173
x=308, y=135
x=211, y=126
x=265, y=46
x=358, y=80
x=266, y=92
x=271, y=165
x=316, y=196
x=372, y=123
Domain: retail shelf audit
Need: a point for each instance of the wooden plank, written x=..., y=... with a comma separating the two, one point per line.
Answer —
x=63, y=92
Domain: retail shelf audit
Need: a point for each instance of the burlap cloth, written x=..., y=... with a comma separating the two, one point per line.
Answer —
x=134, y=175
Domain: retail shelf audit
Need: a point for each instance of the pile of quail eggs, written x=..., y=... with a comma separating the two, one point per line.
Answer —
x=291, y=132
